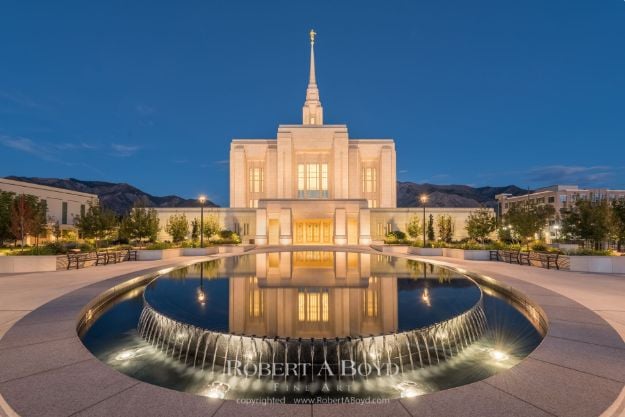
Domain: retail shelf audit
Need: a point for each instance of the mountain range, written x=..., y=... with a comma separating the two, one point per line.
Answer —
x=120, y=197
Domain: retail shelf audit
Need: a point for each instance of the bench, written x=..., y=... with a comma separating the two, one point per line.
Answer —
x=509, y=256
x=494, y=255
x=547, y=260
x=131, y=255
x=76, y=258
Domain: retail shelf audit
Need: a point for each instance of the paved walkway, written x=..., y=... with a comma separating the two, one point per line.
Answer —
x=603, y=294
x=21, y=294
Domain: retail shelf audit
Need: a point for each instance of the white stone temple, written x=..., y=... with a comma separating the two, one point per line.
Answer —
x=314, y=185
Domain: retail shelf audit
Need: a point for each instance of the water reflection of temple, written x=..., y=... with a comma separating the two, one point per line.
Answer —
x=312, y=294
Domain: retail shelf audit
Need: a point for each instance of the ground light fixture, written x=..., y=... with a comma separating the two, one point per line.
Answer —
x=409, y=389
x=217, y=390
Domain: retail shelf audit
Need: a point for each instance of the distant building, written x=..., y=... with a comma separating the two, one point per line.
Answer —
x=560, y=197
x=62, y=205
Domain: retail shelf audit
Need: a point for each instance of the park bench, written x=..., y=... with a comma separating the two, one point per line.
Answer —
x=494, y=255
x=546, y=259
x=510, y=256
x=131, y=255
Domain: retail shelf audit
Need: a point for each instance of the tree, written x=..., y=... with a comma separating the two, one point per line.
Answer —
x=22, y=215
x=195, y=230
x=56, y=231
x=6, y=204
x=445, y=226
x=178, y=227
x=618, y=222
x=414, y=227
x=40, y=219
x=430, y=229
x=97, y=223
x=142, y=222
x=588, y=221
x=527, y=219
x=211, y=225
x=480, y=224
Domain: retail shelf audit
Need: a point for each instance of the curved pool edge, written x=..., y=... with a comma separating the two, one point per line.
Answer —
x=44, y=367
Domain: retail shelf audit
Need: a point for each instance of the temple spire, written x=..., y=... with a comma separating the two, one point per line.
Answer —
x=312, y=80
x=312, y=111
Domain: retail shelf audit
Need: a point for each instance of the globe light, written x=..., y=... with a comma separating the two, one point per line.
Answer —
x=217, y=390
x=409, y=389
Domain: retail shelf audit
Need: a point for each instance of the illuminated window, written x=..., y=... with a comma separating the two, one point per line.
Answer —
x=313, y=305
x=312, y=180
x=369, y=180
x=256, y=180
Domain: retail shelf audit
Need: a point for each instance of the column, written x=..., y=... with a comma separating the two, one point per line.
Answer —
x=261, y=227
x=286, y=236
x=365, y=227
x=340, y=227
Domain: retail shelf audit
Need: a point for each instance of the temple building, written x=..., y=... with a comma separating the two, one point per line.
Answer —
x=313, y=184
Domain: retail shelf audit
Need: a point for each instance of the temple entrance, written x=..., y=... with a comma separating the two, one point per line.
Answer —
x=274, y=232
x=313, y=232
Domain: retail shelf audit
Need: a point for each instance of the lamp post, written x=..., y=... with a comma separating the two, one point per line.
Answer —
x=423, y=199
x=202, y=200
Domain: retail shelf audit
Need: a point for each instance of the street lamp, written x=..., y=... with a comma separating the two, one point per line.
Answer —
x=202, y=200
x=423, y=199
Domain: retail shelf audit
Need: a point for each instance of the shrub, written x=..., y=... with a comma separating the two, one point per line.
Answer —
x=159, y=246
x=396, y=235
x=591, y=252
x=539, y=247
x=225, y=237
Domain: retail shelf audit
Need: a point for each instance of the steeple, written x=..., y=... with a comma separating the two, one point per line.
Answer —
x=312, y=111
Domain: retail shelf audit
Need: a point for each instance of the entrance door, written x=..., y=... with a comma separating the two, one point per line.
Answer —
x=274, y=232
x=313, y=232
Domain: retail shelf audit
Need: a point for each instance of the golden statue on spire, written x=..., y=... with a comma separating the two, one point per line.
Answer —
x=312, y=36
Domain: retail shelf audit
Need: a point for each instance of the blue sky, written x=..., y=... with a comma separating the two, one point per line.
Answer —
x=151, y=93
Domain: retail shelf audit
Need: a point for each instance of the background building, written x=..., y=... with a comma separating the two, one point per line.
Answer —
x=62, y=205
x=560, y=197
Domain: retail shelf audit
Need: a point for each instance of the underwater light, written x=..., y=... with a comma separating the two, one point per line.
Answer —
x=126, y=354
x=217, y=390
x=409, y=389
x=498, y=355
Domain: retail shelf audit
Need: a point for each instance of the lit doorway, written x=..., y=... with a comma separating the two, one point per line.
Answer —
x=313, y=232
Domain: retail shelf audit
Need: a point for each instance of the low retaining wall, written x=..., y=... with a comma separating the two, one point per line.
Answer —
x=466, y=254
x=157, y=254
x=11, y=264
x=392, y=248
x=426, y=251
x=199, y=251
x=598, y=264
